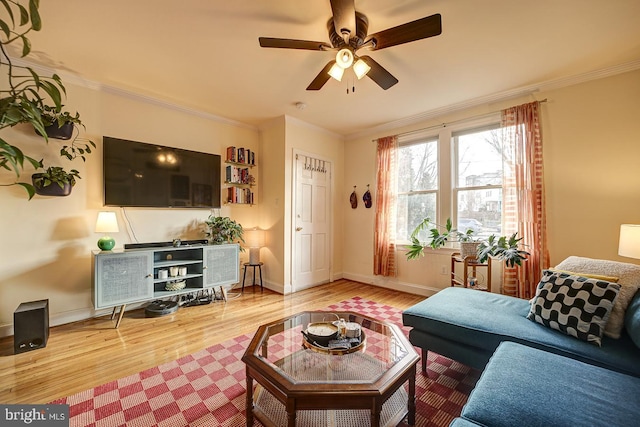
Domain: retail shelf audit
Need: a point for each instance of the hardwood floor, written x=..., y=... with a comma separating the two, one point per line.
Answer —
x=85, y=354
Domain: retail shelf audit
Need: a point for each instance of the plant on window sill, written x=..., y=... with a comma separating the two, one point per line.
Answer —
x=504, y=248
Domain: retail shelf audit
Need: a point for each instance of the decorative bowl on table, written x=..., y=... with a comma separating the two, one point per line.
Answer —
x=320, y=333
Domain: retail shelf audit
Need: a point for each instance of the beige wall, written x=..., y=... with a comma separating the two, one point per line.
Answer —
x=272, y=201
x=280, y=138
x=47, y=242
x=591, y=137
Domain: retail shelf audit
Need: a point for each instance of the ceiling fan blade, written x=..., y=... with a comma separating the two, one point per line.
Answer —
x=411, y=31
x=293, y=44
x=379, y=74
x=344, y=16
x=322, y=77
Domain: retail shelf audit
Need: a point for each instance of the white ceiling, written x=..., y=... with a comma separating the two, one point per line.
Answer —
x=204, y=54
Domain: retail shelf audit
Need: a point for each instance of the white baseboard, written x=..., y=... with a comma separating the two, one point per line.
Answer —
x=384, y=282
x=392, y=283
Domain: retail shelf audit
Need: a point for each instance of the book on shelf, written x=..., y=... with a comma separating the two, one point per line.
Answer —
x=237, y=175
x=241, y=155
x=242, y=196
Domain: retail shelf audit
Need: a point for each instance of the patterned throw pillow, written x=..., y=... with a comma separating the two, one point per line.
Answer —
x=629, y=279
x=574, y=305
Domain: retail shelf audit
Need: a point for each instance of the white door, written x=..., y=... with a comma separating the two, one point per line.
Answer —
x=312, y=222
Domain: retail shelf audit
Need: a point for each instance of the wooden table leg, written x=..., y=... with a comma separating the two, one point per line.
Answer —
x=425, y=353
x=375, y=413
x=122, y=307
x=411, y=404
x=291, y=413
x=249, y=402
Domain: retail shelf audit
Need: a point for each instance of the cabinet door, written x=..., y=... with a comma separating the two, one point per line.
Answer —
x=221, y=265
x=122, y=278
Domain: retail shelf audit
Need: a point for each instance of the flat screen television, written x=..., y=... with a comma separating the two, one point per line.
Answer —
x=138, y=174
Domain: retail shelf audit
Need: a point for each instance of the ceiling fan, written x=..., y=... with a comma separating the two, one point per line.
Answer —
x=348, y=33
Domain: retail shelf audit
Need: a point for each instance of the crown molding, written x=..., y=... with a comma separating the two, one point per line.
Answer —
x=78, y=80
x=501, y=96
x=302, y=123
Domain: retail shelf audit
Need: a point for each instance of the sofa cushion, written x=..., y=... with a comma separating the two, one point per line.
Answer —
x=482, y=320
x=574, y=305
x=628, y=277
x=632, y=319
x=526, y=386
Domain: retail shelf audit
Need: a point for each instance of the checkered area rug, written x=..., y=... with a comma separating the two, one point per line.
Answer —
x=207, y=388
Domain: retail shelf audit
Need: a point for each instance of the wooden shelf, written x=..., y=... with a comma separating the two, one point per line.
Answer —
x=472, y=264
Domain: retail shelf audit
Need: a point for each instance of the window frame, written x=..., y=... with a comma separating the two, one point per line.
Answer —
x=456, y=189
x=446, y=197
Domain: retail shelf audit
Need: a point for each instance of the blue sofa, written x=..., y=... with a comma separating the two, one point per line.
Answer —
x=532, y=374
x=524, y=386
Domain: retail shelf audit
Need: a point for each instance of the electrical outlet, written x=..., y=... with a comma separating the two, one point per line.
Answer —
x=443, y=270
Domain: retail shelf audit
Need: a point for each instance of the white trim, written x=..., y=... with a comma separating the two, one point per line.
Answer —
x=393, y=284
x=501, y=96
x=302, y=123
x=68, y=77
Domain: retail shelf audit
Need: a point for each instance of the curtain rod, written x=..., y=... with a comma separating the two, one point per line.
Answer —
x=445, y=124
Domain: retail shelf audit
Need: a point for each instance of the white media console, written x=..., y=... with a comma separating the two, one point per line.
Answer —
x=122, y=277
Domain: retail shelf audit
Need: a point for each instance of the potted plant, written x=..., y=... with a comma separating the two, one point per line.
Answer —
x=59, y=125
x=504, y=248
x=26, y=97
x=54, y=181
x=222, y=229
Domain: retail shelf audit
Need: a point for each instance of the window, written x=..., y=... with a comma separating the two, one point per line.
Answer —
x=477, y=190
x=452, y=173
x=417, y=186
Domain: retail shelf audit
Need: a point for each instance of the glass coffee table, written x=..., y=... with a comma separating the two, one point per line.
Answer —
x=304, y=383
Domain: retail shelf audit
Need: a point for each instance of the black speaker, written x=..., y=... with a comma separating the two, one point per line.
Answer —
x=31, y=326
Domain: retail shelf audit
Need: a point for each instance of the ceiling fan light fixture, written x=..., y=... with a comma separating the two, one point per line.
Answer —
x=336, y=72
x=361, y=68
x=344, y=58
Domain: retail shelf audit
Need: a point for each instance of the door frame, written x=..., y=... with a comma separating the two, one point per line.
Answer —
x=294, y=183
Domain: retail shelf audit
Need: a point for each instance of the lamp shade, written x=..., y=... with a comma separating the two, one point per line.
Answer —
x=336, y=72
x=107, y=223
x=629, y=245
x=361, y=68
x=344, y=58
x=254, y=238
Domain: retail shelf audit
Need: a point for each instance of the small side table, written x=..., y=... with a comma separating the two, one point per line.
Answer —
x=473, y=264
x=254, y=266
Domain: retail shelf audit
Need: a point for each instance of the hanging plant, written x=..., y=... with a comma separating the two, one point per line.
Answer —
x=29, y=98
x=55, y=181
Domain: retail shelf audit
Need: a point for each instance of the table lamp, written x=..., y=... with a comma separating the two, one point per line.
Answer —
x=629, y=245
x=254, y=239
x=106, y=223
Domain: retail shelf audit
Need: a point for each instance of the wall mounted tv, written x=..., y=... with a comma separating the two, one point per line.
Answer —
x=138, y=174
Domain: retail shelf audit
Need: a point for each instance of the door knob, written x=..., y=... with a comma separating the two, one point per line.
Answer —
x=298, y=228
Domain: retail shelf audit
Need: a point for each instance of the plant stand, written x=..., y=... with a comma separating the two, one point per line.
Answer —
x=470, y=263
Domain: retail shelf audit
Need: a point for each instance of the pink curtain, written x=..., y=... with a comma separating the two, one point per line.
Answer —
x=523, y=196
x=384, y=251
